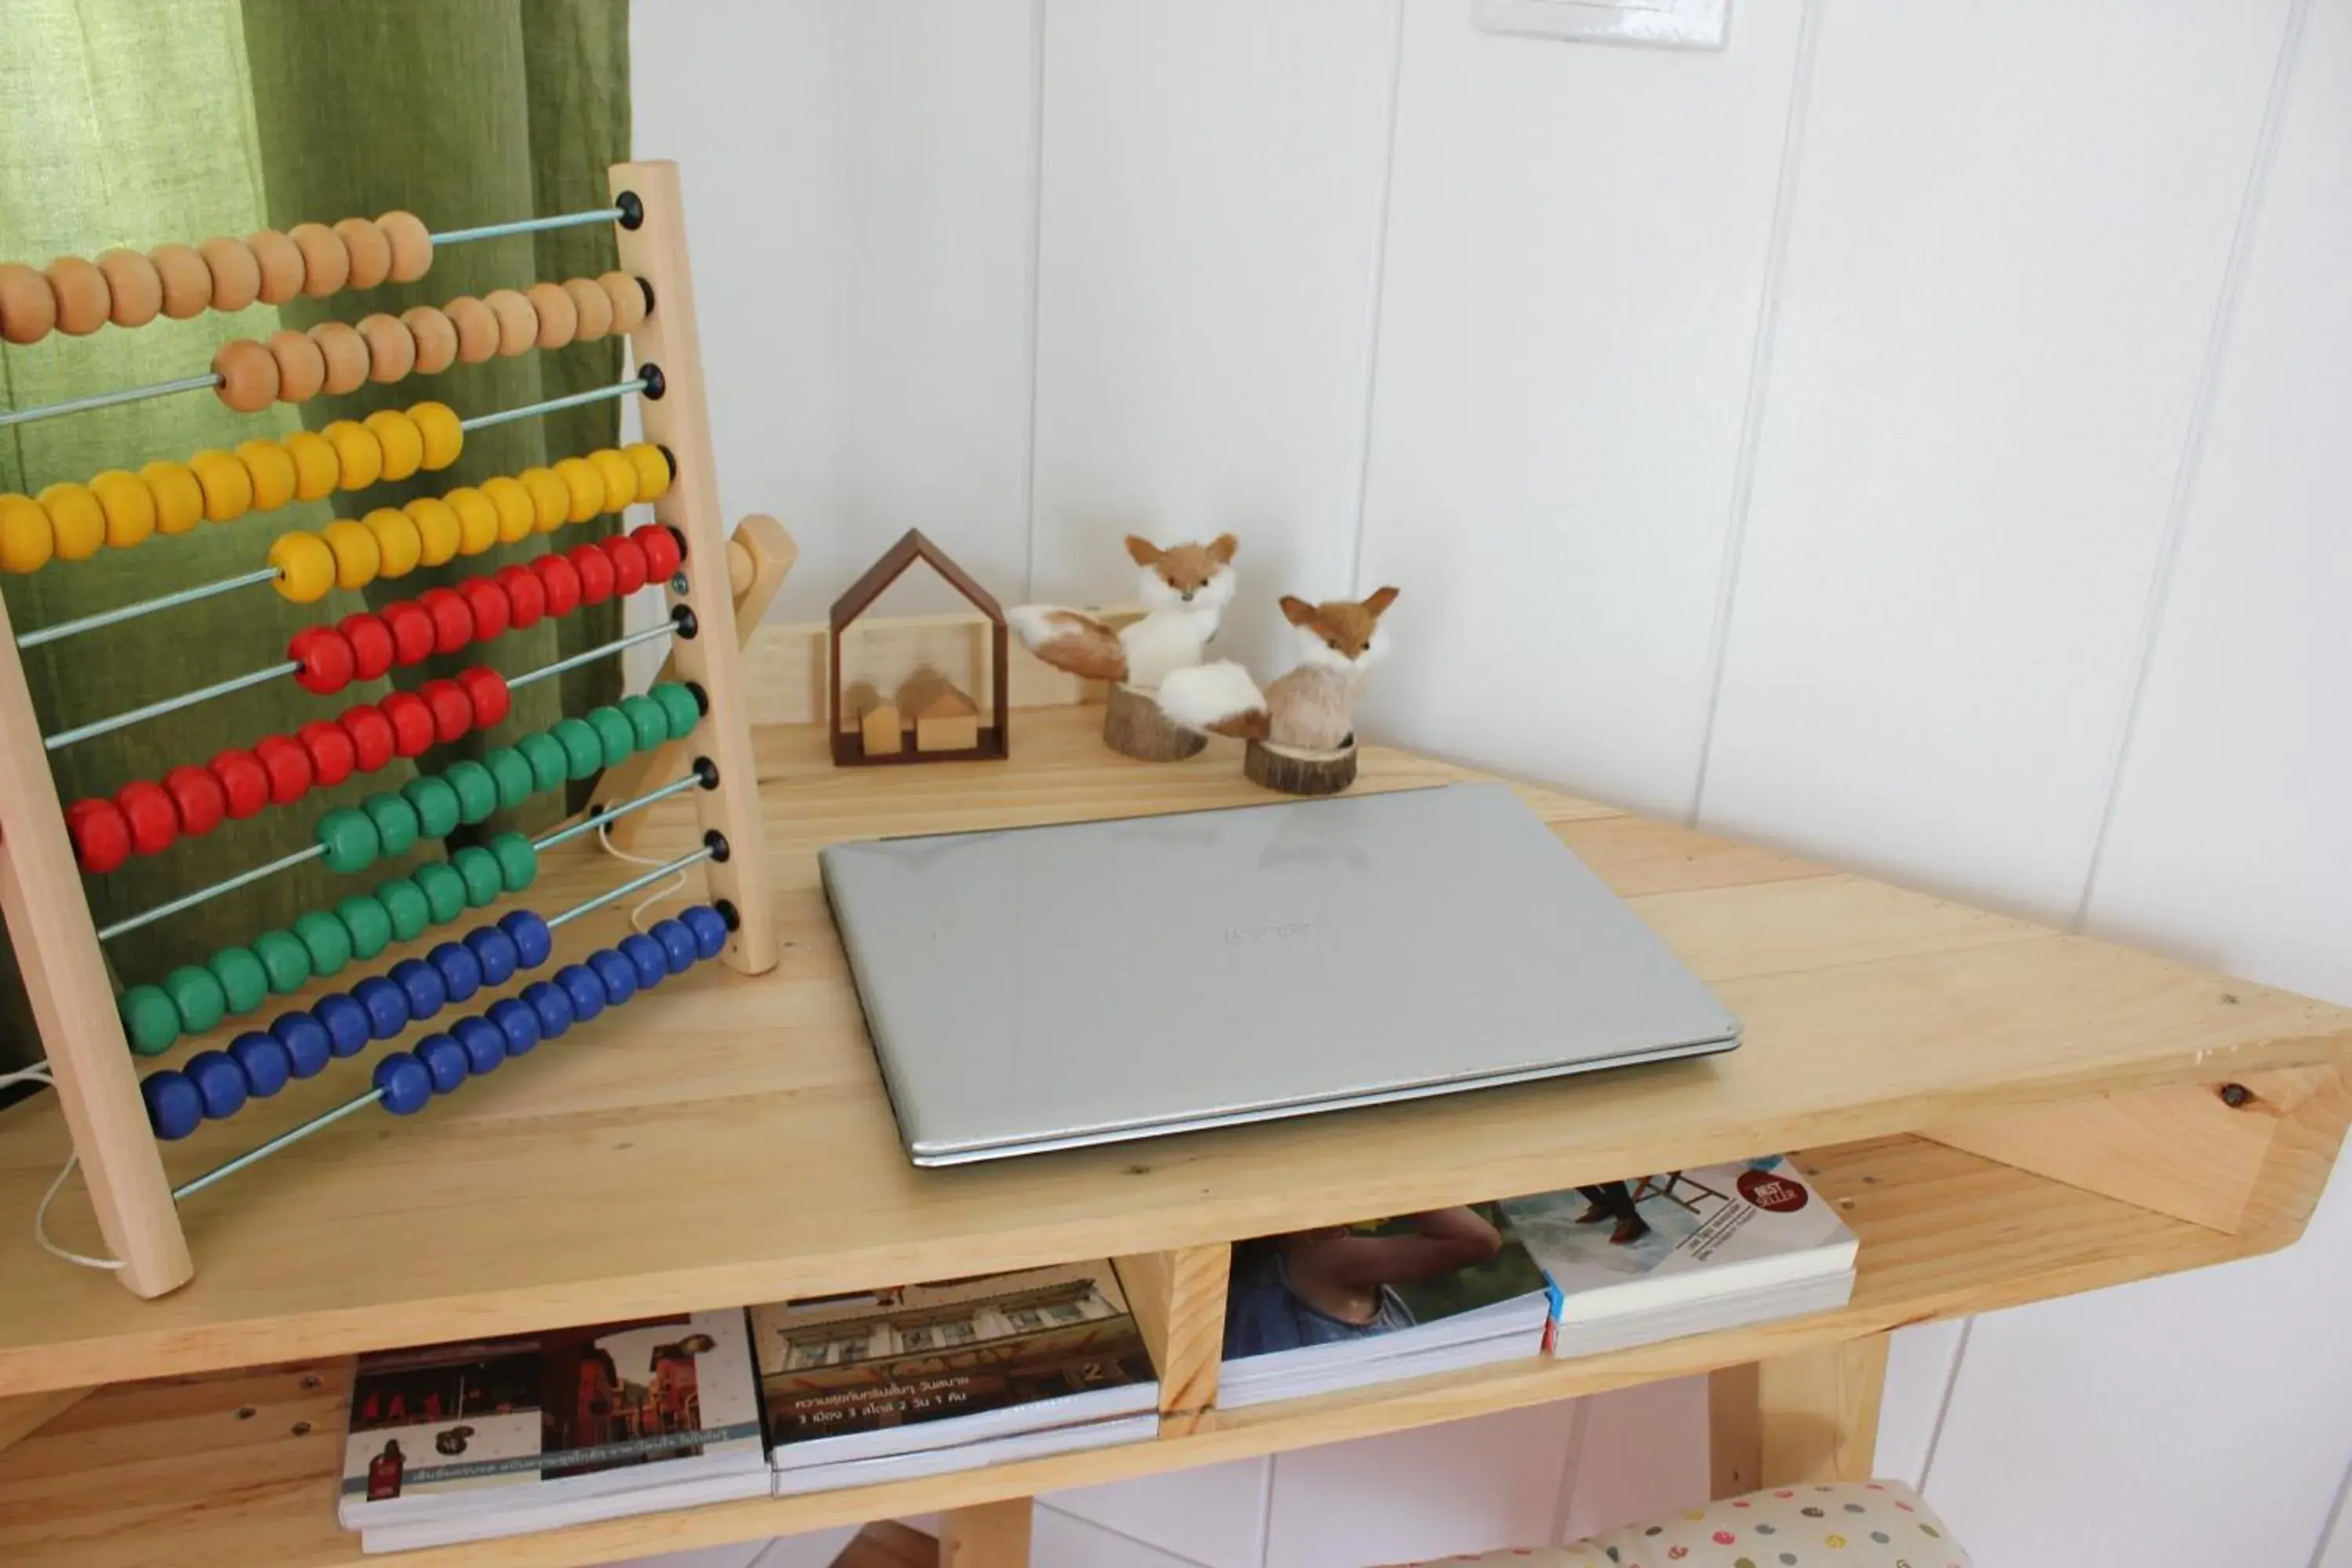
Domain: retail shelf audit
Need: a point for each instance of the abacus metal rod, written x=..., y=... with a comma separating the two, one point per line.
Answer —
x=554, y=405
x=170, y=705
x=631, y=885
x=613, y=813
x=201, y=895
x=527, y=225
x=146, y=608
x=108, y=399
x=667, y=629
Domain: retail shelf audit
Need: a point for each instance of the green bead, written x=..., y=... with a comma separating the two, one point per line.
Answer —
x=646, y=718
x=353, y=842
x=583, y=749
x=196, y=997
x=544, y=753
x=150, y=1019
x=367, y=922
x=244, y=982
x=518, y=861
x=395, y=822
x=480, y=868
x=435, y=803
x=679, y=703
x=286, y=959
x=323, y=936
x=615, y=733
x=513, y=775
x=406, y=902
x=444, y=891
x=477, y=792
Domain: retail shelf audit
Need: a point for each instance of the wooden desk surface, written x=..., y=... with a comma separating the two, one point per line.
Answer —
x=727, y=1140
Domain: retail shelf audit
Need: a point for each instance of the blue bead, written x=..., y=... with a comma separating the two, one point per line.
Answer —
x=484, y=1043
x=405, y=1084
x=460, y=970
x=420, y=984
x=678, y=945
x=387, y=1007
x=516, y=1022
x=552, y=1005
x=445, y=1059
x=645, y=953
x=351, y=1022
x=710, y=929
x=308, y=1043
x=619, y=975
x=495, y=951
x=265, y=1063
x=173, y=1106
x=220, y=1080
x=532, y=938
x=583, y=990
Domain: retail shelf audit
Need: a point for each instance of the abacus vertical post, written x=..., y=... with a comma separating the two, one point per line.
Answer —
x=679, y=419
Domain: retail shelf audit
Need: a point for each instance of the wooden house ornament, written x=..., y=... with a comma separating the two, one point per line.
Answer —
x=944, y=724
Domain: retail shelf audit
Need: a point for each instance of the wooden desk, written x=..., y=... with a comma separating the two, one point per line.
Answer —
x=2004, y=1112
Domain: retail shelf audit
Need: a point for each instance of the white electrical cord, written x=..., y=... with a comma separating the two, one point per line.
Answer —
x=41, y=1223
x=38, y=1073
x=668, y=890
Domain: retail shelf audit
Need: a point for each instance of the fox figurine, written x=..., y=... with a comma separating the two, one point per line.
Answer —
x=1313, y=706
x=1185, y=589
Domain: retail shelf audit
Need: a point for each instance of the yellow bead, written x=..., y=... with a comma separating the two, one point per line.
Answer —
x=585, y=487
x=305, y=567
x=478, y=520
x=130, y=507
x=317, y=469
x=271, y=471
x=179, y=500
x=77, y=523
x=437, y=527
x=397, y=541
x=228, y=489
x=357, y=557
x=443, y=437
x=403, y=442
x=653, y=471
x=620, y=477
x=518, y=513
x=551, y=498
x=25, y=539
x=359, y=453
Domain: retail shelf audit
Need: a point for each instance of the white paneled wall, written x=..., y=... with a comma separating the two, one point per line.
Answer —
x=1912, y=435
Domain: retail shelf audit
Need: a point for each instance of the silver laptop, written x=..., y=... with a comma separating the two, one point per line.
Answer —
x=1046, y=987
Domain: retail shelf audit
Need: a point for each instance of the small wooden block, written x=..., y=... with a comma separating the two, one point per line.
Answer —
x=879, y=727
x=1179, y=1301
x=948, y=723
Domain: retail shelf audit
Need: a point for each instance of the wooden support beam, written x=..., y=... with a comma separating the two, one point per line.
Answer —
x=986, y=1535
x=1179, y=1301
x=1808, y=1417
x=22, y=1415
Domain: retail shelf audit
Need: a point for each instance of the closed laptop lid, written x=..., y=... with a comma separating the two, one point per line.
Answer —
x=1039, y=987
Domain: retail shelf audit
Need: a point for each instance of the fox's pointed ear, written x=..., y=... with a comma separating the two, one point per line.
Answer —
x=1222, y=548
x=1141, y=550
x=1298, y=611
x=1380, y=600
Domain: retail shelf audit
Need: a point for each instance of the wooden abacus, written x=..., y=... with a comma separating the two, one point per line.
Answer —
x=114, y=1117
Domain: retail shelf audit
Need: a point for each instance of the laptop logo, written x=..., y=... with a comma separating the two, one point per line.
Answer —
x=1244, y=936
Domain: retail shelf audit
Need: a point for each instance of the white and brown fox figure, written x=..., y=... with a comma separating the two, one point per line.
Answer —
x=1184, y=588
x=1313, y=708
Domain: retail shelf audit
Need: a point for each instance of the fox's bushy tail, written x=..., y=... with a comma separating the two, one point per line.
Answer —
x=1219, y=698
x=1069, y=641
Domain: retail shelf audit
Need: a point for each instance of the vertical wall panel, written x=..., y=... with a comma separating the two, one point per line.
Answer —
x=1213, y=1515
x=1059, y=1541
x=1643, y=1452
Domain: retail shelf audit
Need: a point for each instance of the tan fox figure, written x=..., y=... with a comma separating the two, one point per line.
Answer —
x=1184, y=588
x=1312, y=708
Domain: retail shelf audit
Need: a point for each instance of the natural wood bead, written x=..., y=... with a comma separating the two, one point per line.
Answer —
x=628, y=297
x=391, y=353
x=478, y=329
x=280, y=260
x=412, y=245
x=187, y=281
x=134, y=286
x=346, y=353
x=594, y=307
x=326, y=265
x=370, y=250
x=301, y=365
x=518, y=321
x=436, y=339
x=237, y=272
x=84, y=302
x=28, y=312
x=559, y=319
x=248, y=375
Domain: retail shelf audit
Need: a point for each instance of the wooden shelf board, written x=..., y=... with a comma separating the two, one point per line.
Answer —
x=1943, y=1233
x=726, y=1139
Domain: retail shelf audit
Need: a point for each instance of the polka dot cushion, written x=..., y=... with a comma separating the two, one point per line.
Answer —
x=1857, y=1524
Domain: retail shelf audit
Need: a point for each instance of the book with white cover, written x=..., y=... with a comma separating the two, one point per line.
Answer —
x=1140, y=1427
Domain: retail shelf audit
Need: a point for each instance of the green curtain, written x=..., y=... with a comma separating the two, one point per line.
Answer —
x=141, y=122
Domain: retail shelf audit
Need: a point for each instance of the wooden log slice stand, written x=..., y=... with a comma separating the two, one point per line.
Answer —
x=1133, y=726
x=1296, y=770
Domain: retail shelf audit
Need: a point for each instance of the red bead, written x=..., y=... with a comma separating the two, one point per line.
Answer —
x=244, y=780
x=101, y=837
x=412, y=632
x=485, y=691
x=629, y=563
x=664, y=554
x=372, y=643
x=596, y=572
x=198, y=797
x=526, y=596
x=326, y=659
x=288, y=765
x=453, y=623
x=334, y=753
x=488, y=602
x=453, y=710
x=154, y=820
x=412, y=724
x=371, y=734
x=560, y=578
